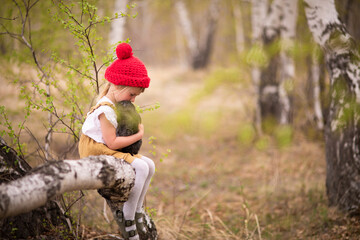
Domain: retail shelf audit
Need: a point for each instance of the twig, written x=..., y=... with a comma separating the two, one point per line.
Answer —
x=258, y=226
x=190, y=207
x=106, y=235
x=10, y=19
x=20, y=150
x=81, y=195
x=37, y=143
x=63, y=213
x=224, y=225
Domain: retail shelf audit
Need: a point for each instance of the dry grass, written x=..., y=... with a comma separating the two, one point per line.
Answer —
x=214, y=185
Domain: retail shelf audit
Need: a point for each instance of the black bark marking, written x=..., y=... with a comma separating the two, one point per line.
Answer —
x=52, y=174
x=4, y=202
x=106, y=174
x=119, y=192
x=116, y=193
x=333, y=26
x=35, y=223
x=53, y=167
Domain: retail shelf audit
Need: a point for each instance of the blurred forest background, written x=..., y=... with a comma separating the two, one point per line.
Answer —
x=225, y=169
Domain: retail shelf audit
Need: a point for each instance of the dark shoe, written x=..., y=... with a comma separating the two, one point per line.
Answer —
x=123, y=224
x=140, y=226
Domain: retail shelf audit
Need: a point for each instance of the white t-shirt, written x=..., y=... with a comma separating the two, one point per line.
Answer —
x=92, y=127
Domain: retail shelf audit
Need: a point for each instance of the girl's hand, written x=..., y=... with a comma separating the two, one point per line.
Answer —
x=141, y=130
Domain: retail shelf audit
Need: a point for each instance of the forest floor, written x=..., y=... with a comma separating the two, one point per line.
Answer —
x=215, y=178
x=220, y=181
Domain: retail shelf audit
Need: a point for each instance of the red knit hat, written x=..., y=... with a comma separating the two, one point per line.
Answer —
x=127, y=70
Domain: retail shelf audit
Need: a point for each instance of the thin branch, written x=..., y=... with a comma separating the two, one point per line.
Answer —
x=75, y=201
x=82, y=12
x=18, y=139
x=37, y=143
x=104, y=64
x=69, y=11
x=19, y=9
x=9, y=19
x=79, y=72
x=32, y=5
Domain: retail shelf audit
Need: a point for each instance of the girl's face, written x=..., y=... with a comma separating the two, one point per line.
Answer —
x=126, y=93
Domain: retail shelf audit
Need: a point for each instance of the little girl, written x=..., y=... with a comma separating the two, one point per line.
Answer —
x=127, y=78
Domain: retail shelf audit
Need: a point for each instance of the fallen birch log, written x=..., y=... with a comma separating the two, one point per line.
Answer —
x=23, y=190
x=51, y=179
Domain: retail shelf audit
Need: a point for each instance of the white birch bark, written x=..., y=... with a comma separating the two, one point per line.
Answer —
x=199, y=50
x=279, y=24
x=320, y=14
x=210, y=26
x=342, y=131
x=118, y=25
x=181, y=50
x=54, y=178
x=239, y=30
x=287, y=33
x=269, y=82
x=186, y=25
x=258, y=15
x=315, y=79
x=323, y=21
x=272, y=21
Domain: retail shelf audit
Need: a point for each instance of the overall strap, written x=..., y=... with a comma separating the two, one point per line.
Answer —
x=99, y=105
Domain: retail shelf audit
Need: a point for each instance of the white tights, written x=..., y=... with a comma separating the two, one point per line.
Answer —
x=145, y=169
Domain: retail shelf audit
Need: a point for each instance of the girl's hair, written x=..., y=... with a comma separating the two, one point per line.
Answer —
x=104, y=91
x=107, y=87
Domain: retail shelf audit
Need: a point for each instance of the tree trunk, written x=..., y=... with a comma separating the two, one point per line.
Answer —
x=349, y=11
x=118, y=25
x=288, y=33
x=200, y=51
x=342, y=133
x=54, y=178
x=34, y=223
x=239, y=29
x=258, y=15
x=315, y=89
x=268, y=86
x=113, y=177
x=278, y=34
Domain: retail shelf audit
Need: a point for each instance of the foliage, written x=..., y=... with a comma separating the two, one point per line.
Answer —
x=58, y=87
x=81, y=20
x=56, y=81
x=215, y=144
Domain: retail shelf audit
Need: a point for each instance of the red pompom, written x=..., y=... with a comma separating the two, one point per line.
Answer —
x=123, y=51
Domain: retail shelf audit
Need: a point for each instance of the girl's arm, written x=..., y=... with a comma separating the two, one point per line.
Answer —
x=109, y=135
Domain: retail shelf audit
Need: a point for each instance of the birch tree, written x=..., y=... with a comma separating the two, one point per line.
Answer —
x=200, y=47
x=113, y=177
x=342, y=135
x=288, y=33
x=349, y=15
x=259, y=10
x=34, y=223
x=239, y=30
x=118, y=25
x=315, y=90
x=276, y=79
x=54, y=178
